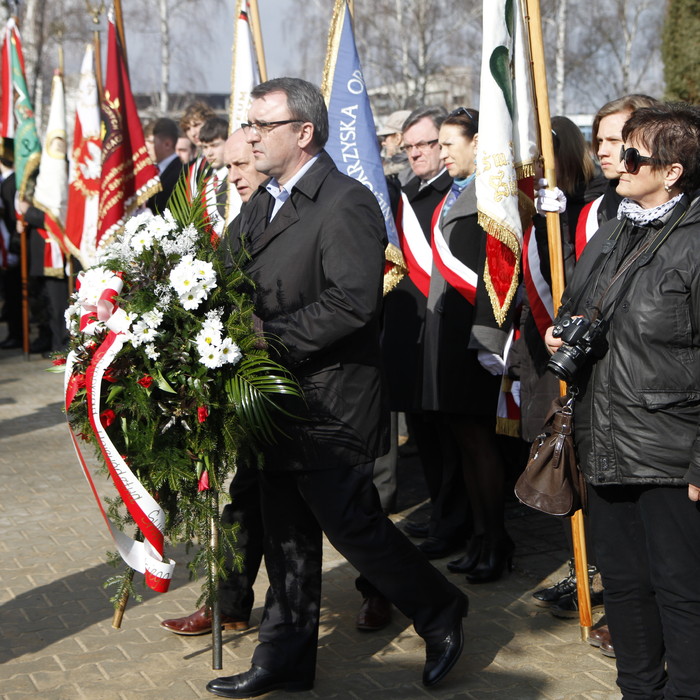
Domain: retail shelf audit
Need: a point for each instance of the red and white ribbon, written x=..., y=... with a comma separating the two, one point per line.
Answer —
x=105, y=309
x=147, y=556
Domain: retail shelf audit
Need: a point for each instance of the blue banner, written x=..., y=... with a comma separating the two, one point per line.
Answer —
x=352, y=141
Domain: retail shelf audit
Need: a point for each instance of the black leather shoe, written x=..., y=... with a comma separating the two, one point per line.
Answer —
x=417, y=530
x=434, y=548
x=440, y=657
x=567, y=607
x=255, y=681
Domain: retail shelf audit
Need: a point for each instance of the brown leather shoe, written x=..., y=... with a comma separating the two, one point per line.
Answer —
x=374, y=614
x=200, y=623
x=600, y=637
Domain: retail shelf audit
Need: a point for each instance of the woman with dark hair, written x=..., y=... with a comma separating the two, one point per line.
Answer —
x=637, y=412
x=463, y=346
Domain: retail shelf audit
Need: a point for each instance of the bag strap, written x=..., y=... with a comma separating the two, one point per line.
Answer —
x=642, y=256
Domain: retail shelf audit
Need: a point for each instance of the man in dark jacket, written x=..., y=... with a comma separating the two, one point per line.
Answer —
x=161, y=139
x=316, y=240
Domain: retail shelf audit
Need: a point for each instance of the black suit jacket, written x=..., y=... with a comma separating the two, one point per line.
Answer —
x=168, y=180
x=318, y=274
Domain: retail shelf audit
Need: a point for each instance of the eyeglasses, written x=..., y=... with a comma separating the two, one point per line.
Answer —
x=422, y=146
x=264, y=128
x=633, y=160
x=459, y=111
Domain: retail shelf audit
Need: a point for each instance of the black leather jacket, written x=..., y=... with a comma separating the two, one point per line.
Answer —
x=638, y=413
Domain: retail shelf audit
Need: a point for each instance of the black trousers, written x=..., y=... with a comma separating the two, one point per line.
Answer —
x=343, y=503
x=236, y=591
x=442, y=467
x=647, y=542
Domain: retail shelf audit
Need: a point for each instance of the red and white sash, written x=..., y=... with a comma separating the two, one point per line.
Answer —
x=459, y=275
x=539, y=293
x=587, y=224
x=414, y=246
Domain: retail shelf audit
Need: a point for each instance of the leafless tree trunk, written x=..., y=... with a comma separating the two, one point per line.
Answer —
x=561, y=56
x=164, y=56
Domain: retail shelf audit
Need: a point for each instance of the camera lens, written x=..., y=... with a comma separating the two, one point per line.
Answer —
x=565, y=362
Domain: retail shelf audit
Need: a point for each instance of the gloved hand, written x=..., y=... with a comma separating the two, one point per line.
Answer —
x=549, y=200
x=491, y=362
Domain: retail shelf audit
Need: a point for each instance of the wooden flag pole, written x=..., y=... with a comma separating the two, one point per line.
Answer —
x=556, y=262
x=257, y=38
x=119, y=22
x=97, y=49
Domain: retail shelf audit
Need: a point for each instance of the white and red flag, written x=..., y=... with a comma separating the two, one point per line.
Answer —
x=85, y=168
x=245, y=75
x=51, y=192
x=7, y=115
x=507, y=147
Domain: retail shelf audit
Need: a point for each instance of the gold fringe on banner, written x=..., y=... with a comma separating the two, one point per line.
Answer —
x=510, y=240
x=334, y=33
x=398, y=267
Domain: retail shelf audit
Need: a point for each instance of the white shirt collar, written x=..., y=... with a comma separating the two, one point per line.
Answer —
x=163, y=164
x=281, y=192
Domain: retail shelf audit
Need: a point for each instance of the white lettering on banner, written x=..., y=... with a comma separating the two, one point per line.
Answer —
x=356, y=85
x=351, y=155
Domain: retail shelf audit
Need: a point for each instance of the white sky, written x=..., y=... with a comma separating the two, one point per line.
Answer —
x=201, y=61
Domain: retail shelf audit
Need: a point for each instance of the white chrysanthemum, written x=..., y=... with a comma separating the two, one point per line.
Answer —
x=159, y=226
x=93, y=282
x=205, y=271
x=183, y=276
x=72, y=316
x=132, y=224
x=212, y=358
x=153, y=318
x=230, y=352
x=142, y=240
x=141, y=333
x=206, y=337
x=151, y=351
x=193, y=298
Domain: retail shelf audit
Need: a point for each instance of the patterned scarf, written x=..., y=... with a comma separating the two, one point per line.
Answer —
x=642, y=217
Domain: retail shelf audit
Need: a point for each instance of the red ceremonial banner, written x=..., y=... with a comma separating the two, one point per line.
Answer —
x=129, y=176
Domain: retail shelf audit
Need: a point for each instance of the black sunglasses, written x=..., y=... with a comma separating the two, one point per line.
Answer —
x=459, y=111
x=633, y=160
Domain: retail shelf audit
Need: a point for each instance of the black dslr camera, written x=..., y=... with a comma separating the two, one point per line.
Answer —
x=582, y=338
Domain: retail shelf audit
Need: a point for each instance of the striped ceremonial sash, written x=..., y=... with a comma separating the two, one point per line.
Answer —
x=415, y=247
x=539, y=293
x=587, y=225
x=459, y=275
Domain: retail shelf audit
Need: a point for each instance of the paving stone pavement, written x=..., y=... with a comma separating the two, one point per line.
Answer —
x=57, y=642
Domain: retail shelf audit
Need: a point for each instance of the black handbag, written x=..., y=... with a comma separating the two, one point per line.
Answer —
x=552, y=481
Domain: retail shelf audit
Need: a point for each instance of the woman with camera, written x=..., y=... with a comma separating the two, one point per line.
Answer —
x=633, y=352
